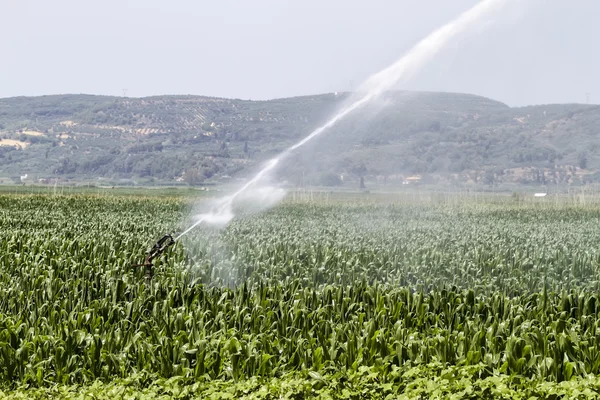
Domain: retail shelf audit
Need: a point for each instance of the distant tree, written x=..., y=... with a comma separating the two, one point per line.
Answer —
x=582, y=160
x=192, y=176
x=543, y=176
x=224, y=150
x=360, y=171
x=489, y=178
x=246, y=147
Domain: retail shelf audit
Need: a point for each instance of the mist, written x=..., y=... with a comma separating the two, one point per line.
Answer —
x=262, y=197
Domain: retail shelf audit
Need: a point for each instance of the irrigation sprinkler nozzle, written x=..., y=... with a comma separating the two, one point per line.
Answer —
x=159, y=248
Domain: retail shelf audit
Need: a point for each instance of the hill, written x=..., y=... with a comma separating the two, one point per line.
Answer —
x=165, y=139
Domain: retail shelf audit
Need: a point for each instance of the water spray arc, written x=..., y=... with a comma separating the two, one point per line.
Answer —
x=386, y=79
x=376, y=84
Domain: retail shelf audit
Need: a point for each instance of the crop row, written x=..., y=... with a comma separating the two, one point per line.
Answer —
x=304, y=287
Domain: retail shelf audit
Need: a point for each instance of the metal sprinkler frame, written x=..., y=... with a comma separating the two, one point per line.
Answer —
x=158, y=249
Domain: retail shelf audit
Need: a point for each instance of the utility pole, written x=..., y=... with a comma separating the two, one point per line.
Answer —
x=587, y=97
x=124, y=92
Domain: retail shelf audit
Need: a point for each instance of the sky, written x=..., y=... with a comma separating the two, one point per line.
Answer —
x=533, y=52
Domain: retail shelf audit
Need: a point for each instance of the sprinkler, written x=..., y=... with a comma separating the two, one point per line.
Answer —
x=156, y=250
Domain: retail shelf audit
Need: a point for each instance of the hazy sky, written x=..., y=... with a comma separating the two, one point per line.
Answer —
x=261, y=49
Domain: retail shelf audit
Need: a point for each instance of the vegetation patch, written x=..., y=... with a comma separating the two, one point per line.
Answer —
x=338, y=300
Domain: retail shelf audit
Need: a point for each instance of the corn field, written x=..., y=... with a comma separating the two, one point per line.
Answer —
x=307, y=299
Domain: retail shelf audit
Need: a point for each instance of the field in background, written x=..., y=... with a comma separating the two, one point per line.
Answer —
x=342, y=295
x=582, y=195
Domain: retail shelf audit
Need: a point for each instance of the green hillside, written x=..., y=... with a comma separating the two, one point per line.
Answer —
x=448, y=137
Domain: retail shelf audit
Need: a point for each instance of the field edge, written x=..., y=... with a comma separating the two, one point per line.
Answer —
x=433, y=381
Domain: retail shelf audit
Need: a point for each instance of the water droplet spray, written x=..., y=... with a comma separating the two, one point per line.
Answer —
x=399, y=71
